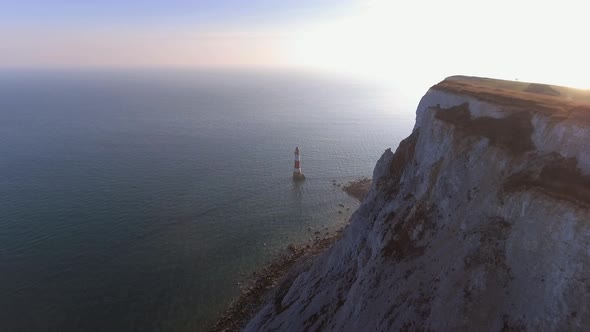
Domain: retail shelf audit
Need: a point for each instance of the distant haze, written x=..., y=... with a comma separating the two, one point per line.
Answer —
x=415, y=42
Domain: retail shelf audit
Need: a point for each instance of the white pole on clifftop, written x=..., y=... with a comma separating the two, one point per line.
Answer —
x=297, y=175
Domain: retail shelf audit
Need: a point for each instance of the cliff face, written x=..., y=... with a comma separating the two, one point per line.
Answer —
x=480, y=220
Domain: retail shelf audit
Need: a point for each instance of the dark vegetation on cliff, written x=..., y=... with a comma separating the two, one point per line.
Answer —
x=512, y=132
x=555, y=176
x=551, y=174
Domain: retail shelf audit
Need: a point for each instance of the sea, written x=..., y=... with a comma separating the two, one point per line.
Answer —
x=141, y=200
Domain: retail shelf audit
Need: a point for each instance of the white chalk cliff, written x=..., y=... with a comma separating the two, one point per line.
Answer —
x=480, y=220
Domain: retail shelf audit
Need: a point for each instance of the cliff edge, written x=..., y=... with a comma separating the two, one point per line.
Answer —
x=480, y=220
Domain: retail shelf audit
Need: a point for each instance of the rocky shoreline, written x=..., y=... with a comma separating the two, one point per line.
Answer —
x=358, y=189
x=241, y=310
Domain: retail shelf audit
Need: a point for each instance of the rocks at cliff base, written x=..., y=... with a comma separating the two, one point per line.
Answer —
x=357, y=189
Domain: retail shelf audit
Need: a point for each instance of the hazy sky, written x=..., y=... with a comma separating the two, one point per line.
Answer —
x=410, y=41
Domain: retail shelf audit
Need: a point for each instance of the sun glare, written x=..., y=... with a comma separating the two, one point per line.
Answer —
x=419, y=41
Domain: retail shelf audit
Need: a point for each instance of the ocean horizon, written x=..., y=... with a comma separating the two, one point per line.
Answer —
x=138, y=200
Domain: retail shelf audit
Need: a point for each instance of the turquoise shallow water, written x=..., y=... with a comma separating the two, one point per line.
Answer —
x=136, y=200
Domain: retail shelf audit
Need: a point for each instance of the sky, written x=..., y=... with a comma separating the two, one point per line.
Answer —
x=412, y=41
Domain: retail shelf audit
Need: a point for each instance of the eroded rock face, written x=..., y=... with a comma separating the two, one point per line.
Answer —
x=479, y=221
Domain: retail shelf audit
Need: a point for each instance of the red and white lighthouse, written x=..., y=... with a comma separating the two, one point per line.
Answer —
x=297, y=175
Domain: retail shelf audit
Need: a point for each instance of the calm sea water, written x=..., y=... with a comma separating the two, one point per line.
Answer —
x=137, y=200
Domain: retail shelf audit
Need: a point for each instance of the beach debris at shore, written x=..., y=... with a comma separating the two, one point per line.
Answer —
x=264, y=280
x=358, y=189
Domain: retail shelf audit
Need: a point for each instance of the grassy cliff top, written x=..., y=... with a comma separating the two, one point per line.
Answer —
x=556, y=101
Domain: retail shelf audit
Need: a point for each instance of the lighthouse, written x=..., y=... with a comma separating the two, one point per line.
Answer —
x=297, y=175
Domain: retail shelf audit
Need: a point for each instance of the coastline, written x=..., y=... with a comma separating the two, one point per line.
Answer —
x=240, y=311
x=358, y=189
